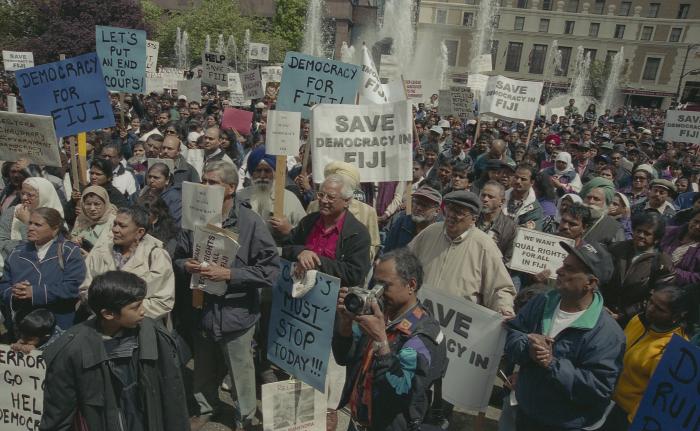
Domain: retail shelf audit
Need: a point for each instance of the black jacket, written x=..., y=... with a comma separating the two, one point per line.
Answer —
x=78, y=379
x=351, y=262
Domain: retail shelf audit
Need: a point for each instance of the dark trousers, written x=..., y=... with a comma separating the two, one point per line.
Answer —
x=527, y=423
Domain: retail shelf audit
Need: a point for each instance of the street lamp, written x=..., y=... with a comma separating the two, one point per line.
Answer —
x=683, y=74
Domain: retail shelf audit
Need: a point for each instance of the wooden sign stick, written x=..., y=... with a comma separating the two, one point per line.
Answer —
x=280, y=180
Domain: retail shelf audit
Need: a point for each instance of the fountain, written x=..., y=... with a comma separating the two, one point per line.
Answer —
x=442, y=66
x=556, y=58
x=232, y=52
x=398, y=26
x=347, y=53
x=207, y=44
x=246, y=47
x=220, y=46
x=485, y=28
x=579, y=82
x=182, y=49
x=314, y=38
x=611, y=87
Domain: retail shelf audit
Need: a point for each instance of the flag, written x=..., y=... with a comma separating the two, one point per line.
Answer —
x=372, y=91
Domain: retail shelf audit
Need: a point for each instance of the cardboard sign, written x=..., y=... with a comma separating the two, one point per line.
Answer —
x=378, y=139
x=14, y=60
x=151, y=56
x=22, y=395
x=510, y=98
x=252, y=84
x=122, y=53
x=190, y=88
x=283, y=130
x=445, y=103
x=478, y=83
x=474, y=337
x=271, y=74
x=682, y=126
x=414, y=89
x=215, y=69
x=29, y=136
x=292, y=405
x=301, y=329
x=215, y=246
x=309, y=81
x=535, y=251
x=462, y=102
x=671, y=399
x=237, y=119
x=170, y=77
x=72, y=91
x=259, y=51
x=201, y=205
x=371, y=88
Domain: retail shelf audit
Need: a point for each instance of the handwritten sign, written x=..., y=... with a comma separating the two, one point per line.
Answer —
x=474, y=339
x=259, y=51
x=215, y=69
x=151, y=56
x=510, y=98
x=201, y=205
x=235, y=90
x=671, y=399
x=414, y=89
x=682, y=126
x=122, y=53
x=22, y=394
x=282, y=138
x=13, y=60
x=309, y=81
x=301, y=329
x=28, y=136
x=378, y=139
x=462, y=102
x=535, y=251
x=252, y=84
x=292, y=405
x=71, y=91
x=215, y=246
x=445, y=108
x=190, y=88
x=237, y=119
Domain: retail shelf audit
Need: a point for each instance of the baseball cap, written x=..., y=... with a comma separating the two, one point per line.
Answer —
x=436, y=129
x=465, y=199
x=182, y=97
x=595, y=257
x=444, y=124
x=429, y=193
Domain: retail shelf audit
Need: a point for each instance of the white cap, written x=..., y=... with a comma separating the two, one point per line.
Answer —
x=436, y=129
x=193, y=136
x=444, y=124
x=182, y=97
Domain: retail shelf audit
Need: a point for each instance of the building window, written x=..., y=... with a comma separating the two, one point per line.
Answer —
x=571, y=6
x=653, y=10
x=569, y=27
x=587, y=52
x=537, y=59
x=675, y=35
x=494, y=52
x=452, y=46
x=647, y=31
x=651, y=69
x=441, y=16
x=619, y=31
x=544, y=25
x=547, y=4
x=599, y=7
x=519, y=23
x=522, y=4
x=496, y=22
x=515, y=50
x=594, y=29
x=625, y=7
x=609, y=57
x=683, y=11
x=468, y=19
x=565, y=61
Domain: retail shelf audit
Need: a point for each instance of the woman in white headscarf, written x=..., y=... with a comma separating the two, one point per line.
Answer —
x=36, y=192
x=551, y=224
x=563, y=175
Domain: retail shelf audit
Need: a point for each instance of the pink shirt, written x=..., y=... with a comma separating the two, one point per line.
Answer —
x=323, y=241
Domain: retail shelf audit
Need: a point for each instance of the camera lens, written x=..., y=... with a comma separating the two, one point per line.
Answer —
x=353, y=303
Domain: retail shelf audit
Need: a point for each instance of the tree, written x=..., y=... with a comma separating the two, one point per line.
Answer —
x=598, y=78
x=289, y=21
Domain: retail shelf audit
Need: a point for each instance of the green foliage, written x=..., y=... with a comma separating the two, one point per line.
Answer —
x=19, y=19
x=152, y=13
x=598, y=78
x=289, y=21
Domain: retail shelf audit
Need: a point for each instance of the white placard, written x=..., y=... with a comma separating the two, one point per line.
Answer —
x=151, y=56
x=483, y=64
x=11, y=103
x=14, y=60
x=414, y=90
x=292, y=405
x=215, y=246
x=259, y=51
x=190, y=88
x=252, y=84
x=535, y=251
x=682, y=126
x=282, y=138
x=215, y=69
x=29, y=136
x=371, y=88
x=170, y=77
x=22, y=394
x=510, y=98
x=201, y=205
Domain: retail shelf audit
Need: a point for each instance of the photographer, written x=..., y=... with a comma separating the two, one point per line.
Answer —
x=392, y=359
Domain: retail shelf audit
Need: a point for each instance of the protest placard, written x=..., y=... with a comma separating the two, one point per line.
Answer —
x=671, y=401
x=72, y=91
x=282, y=138
x=474, y=337
x=195, y=157
x=122, y=54
x=252, y=84
x=378, y=139
x=371, y=88
x=259, y=51
x=445, y=108
x=237, y=119
x=190, y=88
x=151, y=56
x=270, y=74
x=462, y=102
x=482, y=64
x=213, y=246
x=170, y=163
x=414, y=89
x=14, y=60
x=22, y=394
x=12, y=104
x=510, y=98
x=28, y=136
x=215, y=69
x=201, y=205
x=170, y=77
x=292, y=405
x=311, y=80
x=301, y=329
x=682, y=126
x=535, y=251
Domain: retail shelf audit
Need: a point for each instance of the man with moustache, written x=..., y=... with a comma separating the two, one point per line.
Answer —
x=493, y=222
x=425, y=211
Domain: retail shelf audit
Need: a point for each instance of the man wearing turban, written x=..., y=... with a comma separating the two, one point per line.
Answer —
x=597, y=194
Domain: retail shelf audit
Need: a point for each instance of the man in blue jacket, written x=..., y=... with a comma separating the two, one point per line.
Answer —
x=568, y=347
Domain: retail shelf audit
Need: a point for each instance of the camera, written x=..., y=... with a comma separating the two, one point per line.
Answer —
x=359, y=300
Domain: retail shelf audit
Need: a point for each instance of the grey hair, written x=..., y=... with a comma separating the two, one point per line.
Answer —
x=346, y=191
x=226, y=170
x=499, y=186
x=408, y=266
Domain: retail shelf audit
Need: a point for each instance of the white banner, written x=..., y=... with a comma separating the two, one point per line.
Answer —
x=252, y=84
x=14, y=60
x=282, y=137
x=474, y=337
x=371, y=88
x=292, y=405
x=682, y=126
x=535, y=251
x=201, y=205
x=378, y=139
x=190, y=88
x=29, y=136
x=215, y=69
x=510, y=98
x=213, y=246
x=22, y=394
x=259, y=51
x=151, y=56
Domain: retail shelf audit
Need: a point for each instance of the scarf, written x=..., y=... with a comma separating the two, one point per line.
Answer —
x=574, y=197
x=83, y=222
x=564, y=157
x=47, y=197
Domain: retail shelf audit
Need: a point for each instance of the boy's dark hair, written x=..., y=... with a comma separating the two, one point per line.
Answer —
x=40, y=323
x=114, y=290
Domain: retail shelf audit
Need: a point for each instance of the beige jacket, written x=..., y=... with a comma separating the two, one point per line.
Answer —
x=150, y=262
x=470, y=266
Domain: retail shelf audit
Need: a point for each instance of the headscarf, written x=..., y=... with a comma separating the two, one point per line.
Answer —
x=258, y=155
x=346, y=169
x=563, y=156
x=624, y=199
x=83, y=222
x=47, y=198
x=573, y=196
x=599, y=183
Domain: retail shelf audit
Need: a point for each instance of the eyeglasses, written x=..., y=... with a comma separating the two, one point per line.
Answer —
x=639, y=178
x=321, y=196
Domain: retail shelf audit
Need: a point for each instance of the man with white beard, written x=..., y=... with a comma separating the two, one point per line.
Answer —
x=597, y=194
x=425, y=211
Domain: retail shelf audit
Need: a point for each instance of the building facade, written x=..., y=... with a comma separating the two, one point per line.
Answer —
x=661, y=40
